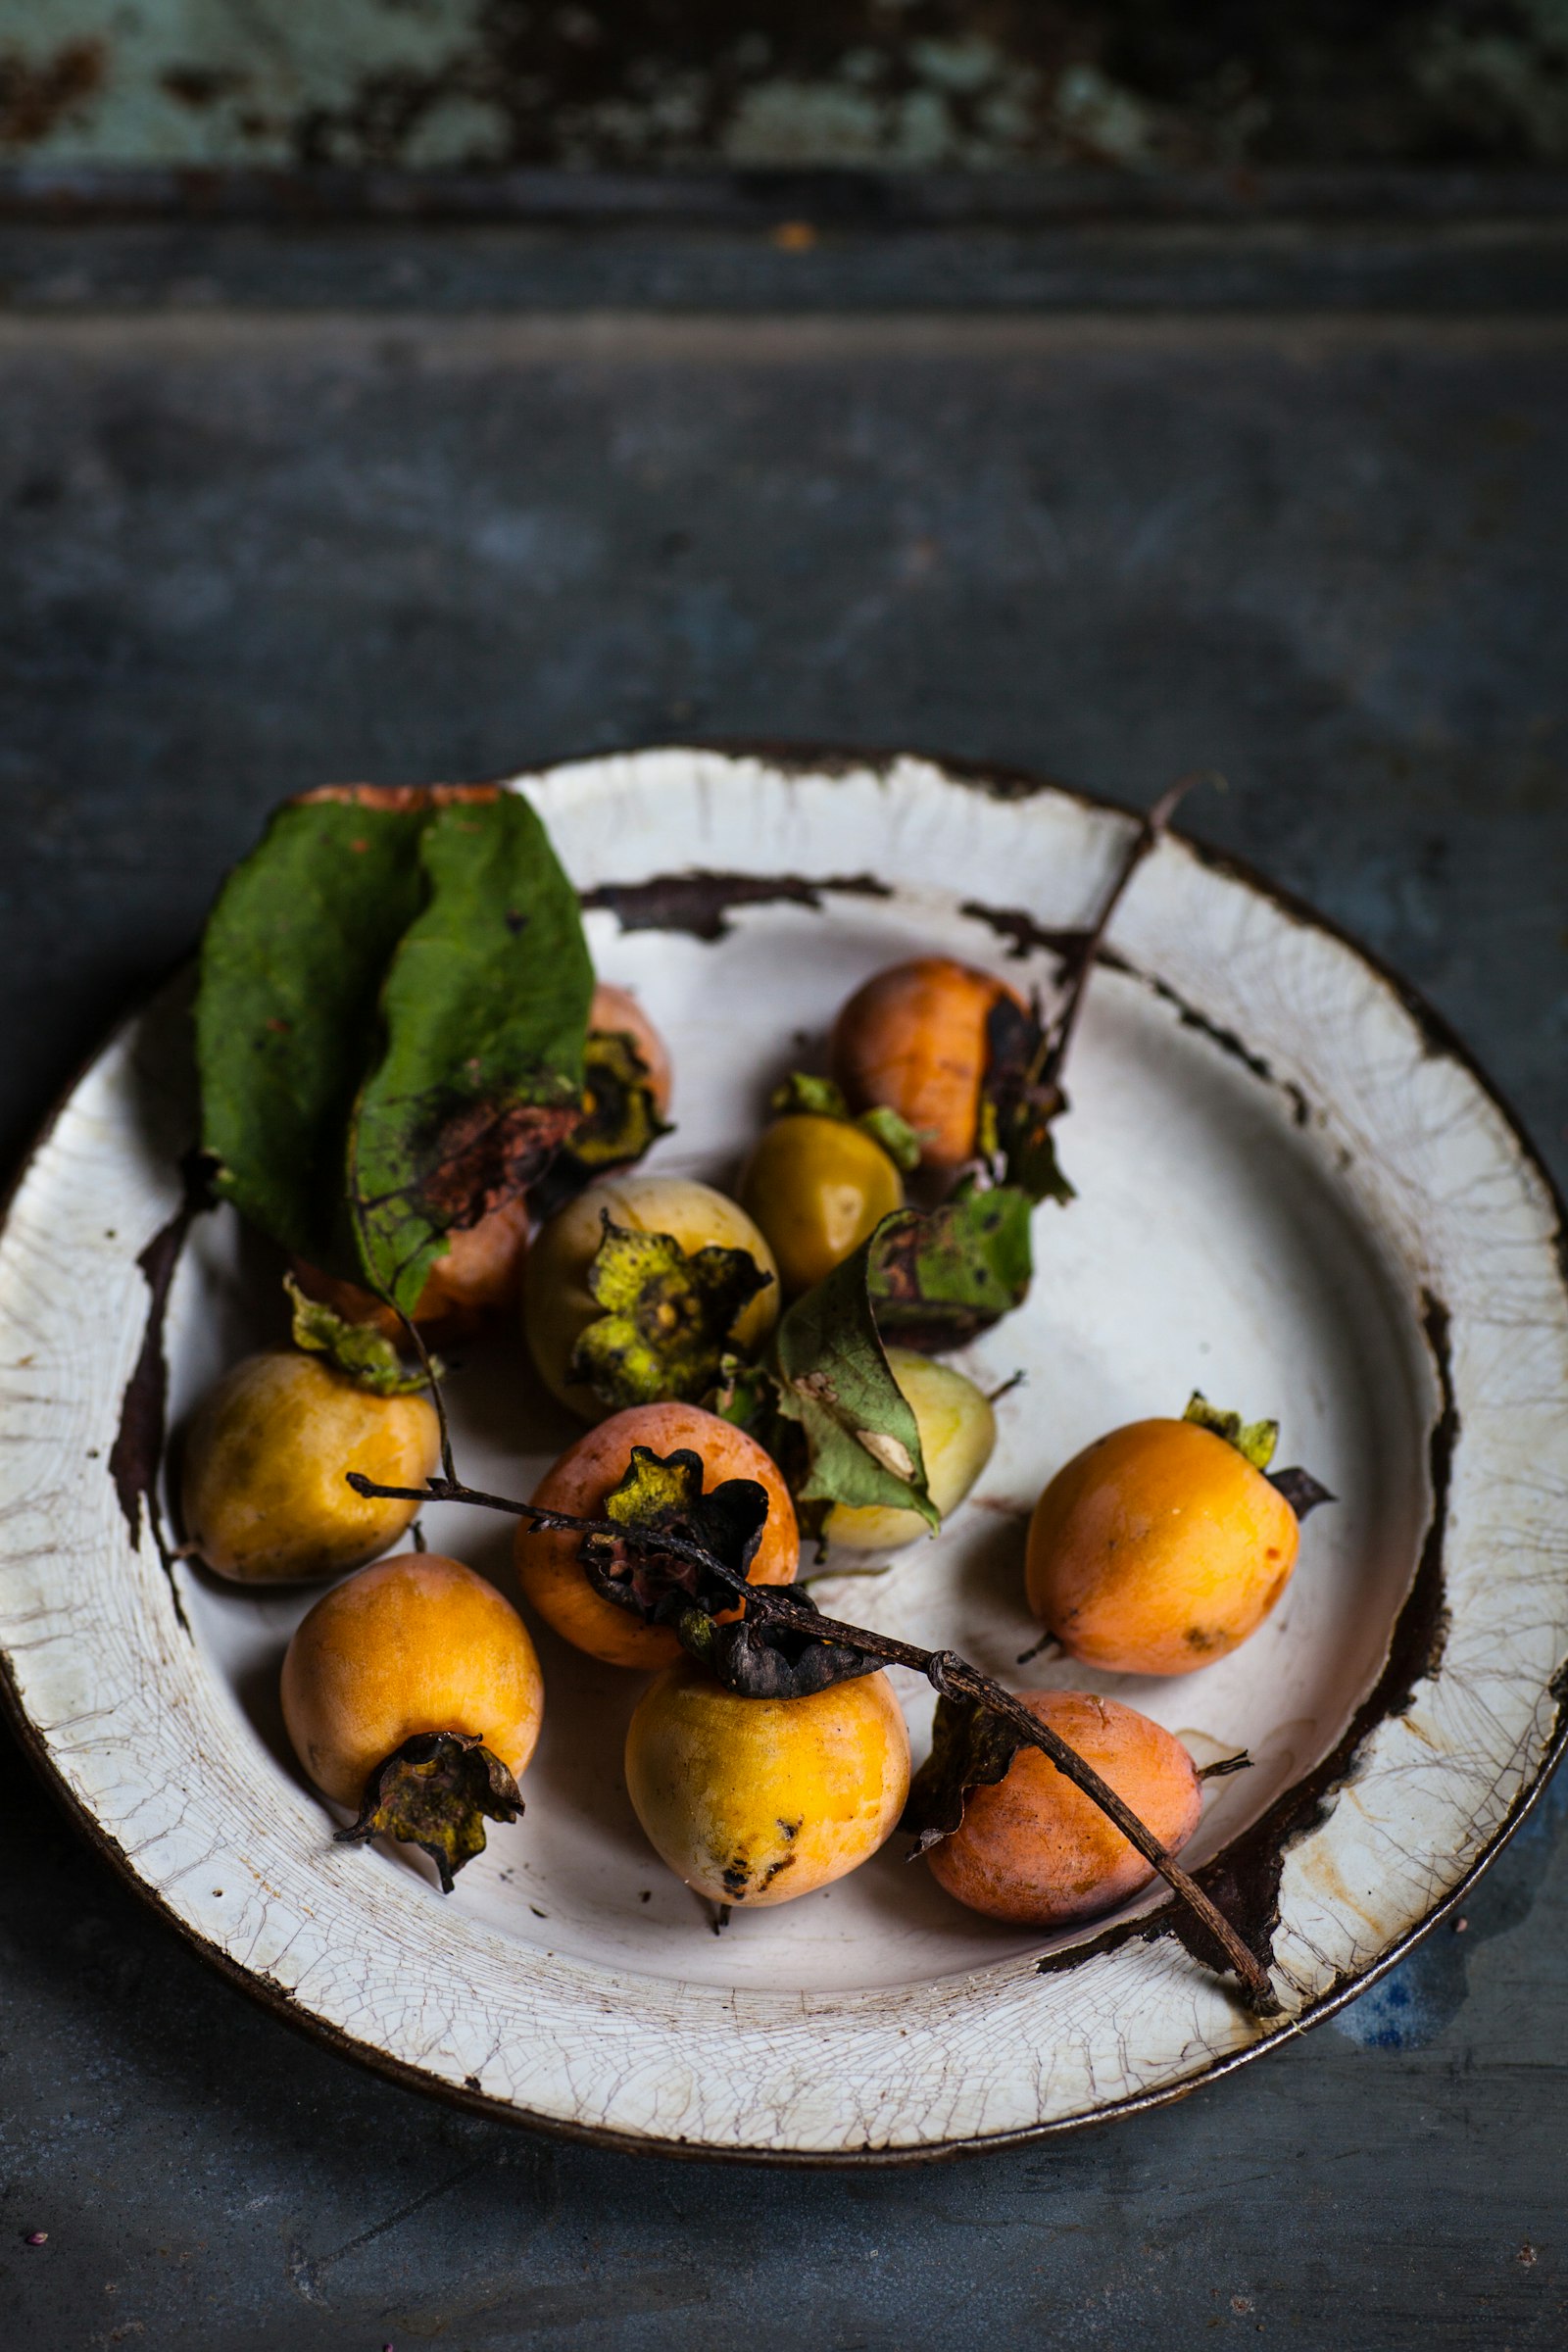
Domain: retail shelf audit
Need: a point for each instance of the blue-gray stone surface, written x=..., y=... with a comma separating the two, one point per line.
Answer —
x=250, y=546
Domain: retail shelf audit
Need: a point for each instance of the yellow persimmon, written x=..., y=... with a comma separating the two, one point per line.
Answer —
x=757, y=1800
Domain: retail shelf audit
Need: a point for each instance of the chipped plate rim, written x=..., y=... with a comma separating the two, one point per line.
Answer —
x=831, y=762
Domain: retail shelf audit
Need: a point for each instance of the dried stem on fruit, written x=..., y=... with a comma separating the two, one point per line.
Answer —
x=951, y=1676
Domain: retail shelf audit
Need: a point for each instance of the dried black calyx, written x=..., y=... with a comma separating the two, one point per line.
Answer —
x=1300, y=1490
x=971, y=1748
x=668, y=1319
x=661, y=1497
x=436, y=1791
x=1020, y=1104
x=621, y=1120
x=764, y=1658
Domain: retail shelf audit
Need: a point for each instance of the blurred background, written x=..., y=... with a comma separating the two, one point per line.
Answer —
x=427, y=388
x=885, y=84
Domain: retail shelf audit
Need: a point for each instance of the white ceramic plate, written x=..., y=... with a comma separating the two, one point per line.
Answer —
x=1293, y=1191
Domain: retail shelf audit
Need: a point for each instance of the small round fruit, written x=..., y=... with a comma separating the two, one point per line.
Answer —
x=556, y=1303
x=417, y=1643
x=957, y=1433
x=1159, y=1548
x=551, y=1576
x=914, y=1039
x=818, y=1188
x=615, y=1011
x=1035, y=1850
x=757, y=1800
x=481, y=1272
x=265, y=1496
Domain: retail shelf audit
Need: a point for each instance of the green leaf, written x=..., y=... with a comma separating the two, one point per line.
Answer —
x=939, y=1276
x=358, y=1350
x=1255, y=1440
x=394, y=991
x=484, y=1011
x=971, y=1748
x=291, y=967
x=862, y=1442
x=667, y=1318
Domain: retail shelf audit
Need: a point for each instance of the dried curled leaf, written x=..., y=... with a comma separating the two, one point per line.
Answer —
x=358, y=1350
x=862, y=1442
x=1254, y=1440
x=939, y=1276
x=1300, y=1490
x=668, y=1319
x=760, y=1659
x=663, y=1496
x=436, y=1791
x=1018, y=1107
x=971, y=1748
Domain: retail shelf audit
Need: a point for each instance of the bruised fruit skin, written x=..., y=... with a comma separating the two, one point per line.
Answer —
x=757, y=1800
x=818, y=1188
x=264, y=1498
x=551, y=1576
x=1159, y=1548
x=417, y=1643
x=615, y=1011
x=557, y=1306
x=957, y=1436
x=481, y=1273
x=914, y=1039
x=1035, y=1850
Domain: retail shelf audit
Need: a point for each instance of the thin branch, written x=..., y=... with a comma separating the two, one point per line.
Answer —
x=951, y=1676
x=1152, y=829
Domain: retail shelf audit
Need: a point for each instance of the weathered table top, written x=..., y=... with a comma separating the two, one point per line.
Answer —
x=281, y=509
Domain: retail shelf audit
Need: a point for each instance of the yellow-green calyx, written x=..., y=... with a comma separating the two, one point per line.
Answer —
x=360, y=1353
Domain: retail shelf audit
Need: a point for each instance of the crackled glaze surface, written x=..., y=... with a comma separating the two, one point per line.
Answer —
x=1290, y=1194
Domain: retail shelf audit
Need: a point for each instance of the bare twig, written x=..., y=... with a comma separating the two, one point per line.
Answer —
x=951, y=1676
x=1057, y=1041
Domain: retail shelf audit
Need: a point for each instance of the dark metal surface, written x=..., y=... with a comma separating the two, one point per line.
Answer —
x=244, y=552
